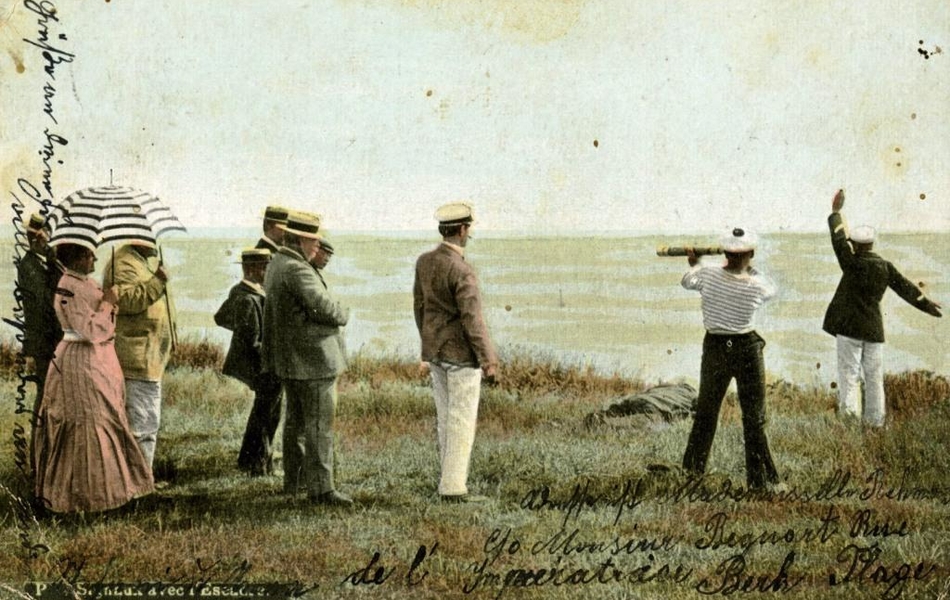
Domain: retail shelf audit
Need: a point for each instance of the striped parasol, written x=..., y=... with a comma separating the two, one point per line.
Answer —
x=92, y=216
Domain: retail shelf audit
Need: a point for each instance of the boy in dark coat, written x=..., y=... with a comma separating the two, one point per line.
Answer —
x=854, y=315
x=243, y=314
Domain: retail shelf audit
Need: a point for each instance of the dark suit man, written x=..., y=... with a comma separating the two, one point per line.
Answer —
x=455, y=344
x=854, y=315
x=38, y=274
x=275, y=217
x=243, y=314
x=303, y=346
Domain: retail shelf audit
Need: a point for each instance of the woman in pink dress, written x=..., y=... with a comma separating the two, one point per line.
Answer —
x=86, y=457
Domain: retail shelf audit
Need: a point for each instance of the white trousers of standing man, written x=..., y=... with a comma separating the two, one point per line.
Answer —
x=859, y=360
x=143, y=405
x=456, y=390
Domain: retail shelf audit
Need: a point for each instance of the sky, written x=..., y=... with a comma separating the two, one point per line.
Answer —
x=551, y=116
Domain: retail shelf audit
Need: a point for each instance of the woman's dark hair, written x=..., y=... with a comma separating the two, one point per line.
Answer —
x=71, y=254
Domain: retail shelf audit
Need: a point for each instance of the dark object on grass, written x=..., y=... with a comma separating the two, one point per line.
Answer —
x=658, y=405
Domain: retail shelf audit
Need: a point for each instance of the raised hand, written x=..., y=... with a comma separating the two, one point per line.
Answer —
x=838, y=203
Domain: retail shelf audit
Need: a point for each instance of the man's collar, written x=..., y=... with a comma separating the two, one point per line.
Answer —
x=254, y=286
x=288, y=251
x=270, y=242
x=455, y=247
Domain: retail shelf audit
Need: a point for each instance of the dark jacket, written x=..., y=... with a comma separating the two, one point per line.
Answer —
x=36, y=281
x=855, y=310
x=448, y=310
x=265, y=243
x=243, y=314
x=303, y=324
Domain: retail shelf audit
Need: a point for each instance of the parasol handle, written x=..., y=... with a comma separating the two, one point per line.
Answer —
x=172, y=326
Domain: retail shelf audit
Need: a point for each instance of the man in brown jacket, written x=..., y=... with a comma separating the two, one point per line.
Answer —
x=455, y=343
x=143, y=337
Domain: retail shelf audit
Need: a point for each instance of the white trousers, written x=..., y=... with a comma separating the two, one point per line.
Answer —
x=456, y=390
x=859, y=360
x=143, y=405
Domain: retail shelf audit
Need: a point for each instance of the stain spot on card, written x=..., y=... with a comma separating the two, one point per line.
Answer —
x=927, y=53
x=923, y=196
x=596, y=144
x=428, y=93
x=17, y=61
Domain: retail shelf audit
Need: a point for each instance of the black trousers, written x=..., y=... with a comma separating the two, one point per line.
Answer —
x=42, y=366
x=256, y=455
x=726, y=357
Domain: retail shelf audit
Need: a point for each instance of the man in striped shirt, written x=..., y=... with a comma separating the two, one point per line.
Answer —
x=731, y=295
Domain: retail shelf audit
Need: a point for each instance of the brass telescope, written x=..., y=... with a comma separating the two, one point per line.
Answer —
x=683, y=250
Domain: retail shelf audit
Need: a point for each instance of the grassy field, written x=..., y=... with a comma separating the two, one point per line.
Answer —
x=578, y=508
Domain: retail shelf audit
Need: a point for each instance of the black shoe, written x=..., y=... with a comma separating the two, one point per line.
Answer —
x=333, y=498
x=462, y=498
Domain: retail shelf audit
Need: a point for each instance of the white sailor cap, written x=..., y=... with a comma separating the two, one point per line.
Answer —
x=739, y=240
x=864, y=234
x=455, y=213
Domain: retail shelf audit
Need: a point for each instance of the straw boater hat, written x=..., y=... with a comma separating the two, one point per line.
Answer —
x=455, y=213
x=303, y=224
x=276, y=213
x=253, y=256
x=37, y=223
x=864, y=234
x=739, y=240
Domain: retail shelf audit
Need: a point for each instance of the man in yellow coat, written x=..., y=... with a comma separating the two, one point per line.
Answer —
x=143, y=337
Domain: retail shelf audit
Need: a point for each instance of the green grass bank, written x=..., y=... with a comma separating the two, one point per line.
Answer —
x=576, y=510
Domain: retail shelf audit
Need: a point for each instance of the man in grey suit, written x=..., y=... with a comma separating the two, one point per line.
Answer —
x=303, y=346
x=854, y=315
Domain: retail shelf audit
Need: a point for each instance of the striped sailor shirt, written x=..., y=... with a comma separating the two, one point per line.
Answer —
x=729, y=300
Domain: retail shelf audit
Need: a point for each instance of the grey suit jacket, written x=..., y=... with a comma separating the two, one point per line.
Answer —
x=303, y=337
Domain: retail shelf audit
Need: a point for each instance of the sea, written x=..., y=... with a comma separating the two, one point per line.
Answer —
x=599, y=300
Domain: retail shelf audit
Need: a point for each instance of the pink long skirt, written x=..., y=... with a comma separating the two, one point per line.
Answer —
x=86, y=456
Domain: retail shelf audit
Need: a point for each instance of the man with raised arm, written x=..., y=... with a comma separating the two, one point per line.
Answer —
x=854, y=315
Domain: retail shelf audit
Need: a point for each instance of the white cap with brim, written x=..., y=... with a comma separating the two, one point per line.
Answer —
x=739, y=240
x=455, y=212
x=864, y=234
